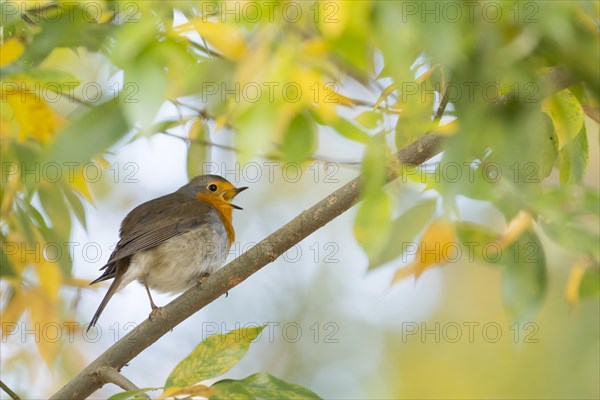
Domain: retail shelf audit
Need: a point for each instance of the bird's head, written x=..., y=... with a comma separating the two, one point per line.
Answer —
x=213, y=189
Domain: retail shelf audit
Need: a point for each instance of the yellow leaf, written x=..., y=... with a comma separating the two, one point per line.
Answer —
x=13, y=311
x=10, y=51
x=196, y=390
x=573, y=283
x=18, y=253
x=566, y=113
x=448, y=129
x=11, y=188
x=437, y=246
x=220, y=122
x=79, y=183
x=44, y=319
x=425, y=75
x=333, y=17
x=197, y=130
x=34, y=117
x=50, y=279
x=515, y=229
x=101, y=161
x=384, y=95
x=315, y=47
x=225, y=38
x=339, y=98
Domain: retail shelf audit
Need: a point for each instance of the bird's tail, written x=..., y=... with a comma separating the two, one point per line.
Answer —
x=111, y=291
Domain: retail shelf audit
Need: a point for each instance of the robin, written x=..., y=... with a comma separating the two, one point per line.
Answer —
x=175, y=241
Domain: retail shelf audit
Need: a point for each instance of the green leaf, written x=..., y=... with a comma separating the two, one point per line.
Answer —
x=36, y=216
x=255, y=126
x=55, y=206
x=524, y=278
x=66, y=26
x=198, y=152
x=344, y=127
x=573, y=236
x=370, y=119
x=549, y=147
x=27, y=228
x=28, y=158
x=403, y=231
x=163, y=126
x=300, y=140
x=574, y=158
x=262, y=386
x=6, y=268
x=148, y=82
x=91, y=134
x=350, y=131
x=213, y=357
x=130, y=394
x=231, y=389
x=76, y=205
x=56, y=209
x=478, y=240
x=567, y=115
x=375, y=165
x=416, y=116
x=590, y=283
x=372, y=223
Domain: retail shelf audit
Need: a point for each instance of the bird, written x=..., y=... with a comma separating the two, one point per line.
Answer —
x=171, y=243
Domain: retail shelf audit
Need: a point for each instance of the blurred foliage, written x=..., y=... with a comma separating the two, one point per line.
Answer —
x=213, y=357
x=275, y=73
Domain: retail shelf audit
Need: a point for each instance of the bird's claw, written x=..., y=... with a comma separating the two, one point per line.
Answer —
x=203, y=277
x=155, y=312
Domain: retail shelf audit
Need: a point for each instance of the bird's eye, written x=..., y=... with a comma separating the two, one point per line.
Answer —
x=212, y=188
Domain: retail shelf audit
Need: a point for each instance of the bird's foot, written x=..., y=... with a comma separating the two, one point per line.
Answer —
x=203, y=277
x=156, y=311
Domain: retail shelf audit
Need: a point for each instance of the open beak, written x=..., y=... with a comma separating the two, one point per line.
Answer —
x=234, y=192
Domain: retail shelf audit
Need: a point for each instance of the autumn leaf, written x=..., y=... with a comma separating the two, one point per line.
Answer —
x=225, y=38
x=13, y=311
x=50, y=278
x=10, y=51
x=435, y=247
x=33, y=115
x=44, y=313
x=519, y=224
x=573, y=282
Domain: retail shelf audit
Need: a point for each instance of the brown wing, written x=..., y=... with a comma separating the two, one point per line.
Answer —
x=152, y=223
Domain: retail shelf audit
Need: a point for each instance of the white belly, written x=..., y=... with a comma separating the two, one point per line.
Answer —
x=177, y=264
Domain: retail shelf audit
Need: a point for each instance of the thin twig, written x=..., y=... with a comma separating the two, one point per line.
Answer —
x=9, y=392
x=316, y=158
x=111, y=375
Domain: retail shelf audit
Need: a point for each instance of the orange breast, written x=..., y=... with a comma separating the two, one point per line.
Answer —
x=224, y=211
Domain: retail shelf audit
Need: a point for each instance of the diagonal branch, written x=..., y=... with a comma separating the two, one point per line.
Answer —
x=231, y=275
x=238, y=270
x=9, y=392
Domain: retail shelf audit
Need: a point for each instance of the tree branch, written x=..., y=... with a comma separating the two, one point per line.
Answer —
x=111, y=375
x=238, y=270
x=9, y=392
x=231, y=275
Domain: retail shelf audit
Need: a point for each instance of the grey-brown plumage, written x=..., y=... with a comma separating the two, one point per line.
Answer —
x=168, y=243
